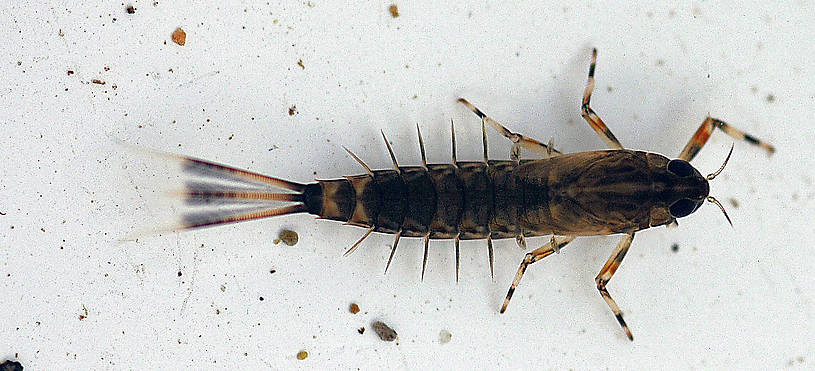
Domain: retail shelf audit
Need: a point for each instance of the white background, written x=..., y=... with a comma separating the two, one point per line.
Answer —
x=728, y=298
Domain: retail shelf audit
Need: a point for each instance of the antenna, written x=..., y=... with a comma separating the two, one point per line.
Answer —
x=715, y=174
x=719, y=204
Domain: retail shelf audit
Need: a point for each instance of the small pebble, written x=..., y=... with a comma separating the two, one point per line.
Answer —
x=10, y=365
x=288, y=237
x=354, y=308
x=361, y=330
x=394, y=10
x=385, y=333
x=302, y=355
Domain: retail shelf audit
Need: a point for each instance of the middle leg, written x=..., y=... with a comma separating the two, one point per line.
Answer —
x=533, y=256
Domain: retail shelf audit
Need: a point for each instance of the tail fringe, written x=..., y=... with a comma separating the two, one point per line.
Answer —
x=217, y=194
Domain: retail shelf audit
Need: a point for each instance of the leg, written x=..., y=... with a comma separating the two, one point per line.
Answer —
x=535, y=255
x=519, y=140
x=607, y=272
x=596, y=123
x=703, y=133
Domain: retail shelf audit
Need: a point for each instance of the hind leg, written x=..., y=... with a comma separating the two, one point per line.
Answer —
x=605, y=275
x=519, y=141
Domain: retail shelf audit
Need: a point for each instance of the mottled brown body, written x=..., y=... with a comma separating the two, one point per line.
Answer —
x=578, y=194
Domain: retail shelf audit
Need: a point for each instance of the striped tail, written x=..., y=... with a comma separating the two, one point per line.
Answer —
x=218, y=194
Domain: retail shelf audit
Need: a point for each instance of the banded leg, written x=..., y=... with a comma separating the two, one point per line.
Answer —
x=607, y=272
x=551, y=247
x=706, y=129
x=519, y=141
x=591, y=117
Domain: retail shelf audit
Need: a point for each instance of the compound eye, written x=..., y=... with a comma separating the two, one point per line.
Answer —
x=680, y=168
x=682, y=208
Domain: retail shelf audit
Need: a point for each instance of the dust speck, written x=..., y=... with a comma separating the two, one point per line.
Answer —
x=675, y=247
x=445, y=336
x=292, y=110
x=770, y=98
x=734, y=202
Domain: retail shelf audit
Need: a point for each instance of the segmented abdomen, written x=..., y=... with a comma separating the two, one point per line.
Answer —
x=470, y=199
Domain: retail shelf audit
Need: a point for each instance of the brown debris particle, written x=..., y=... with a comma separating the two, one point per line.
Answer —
x=354, y=308
x=99, y=82
x=84, y=313
x=394, y=10
x=130, y=9
x=288, y=237
x=292, y=110
x=770, y=98
x=361, y=330
x=302, y=355
x=70, y=72
x=385, y=333
x=179, y=36
x=300, y=63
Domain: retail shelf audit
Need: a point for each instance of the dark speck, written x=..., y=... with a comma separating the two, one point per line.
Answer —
x=675, y=247
x=179, y=273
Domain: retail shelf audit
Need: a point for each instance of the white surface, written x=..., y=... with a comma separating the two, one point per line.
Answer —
x=729, y=298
